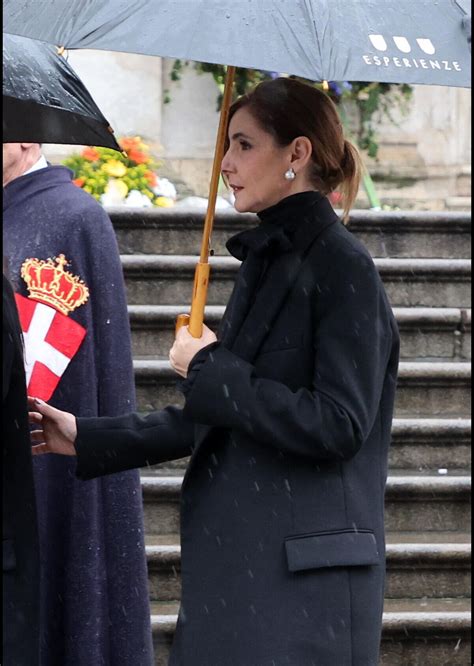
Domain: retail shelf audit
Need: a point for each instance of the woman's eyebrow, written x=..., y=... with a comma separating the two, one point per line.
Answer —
x=239, y=135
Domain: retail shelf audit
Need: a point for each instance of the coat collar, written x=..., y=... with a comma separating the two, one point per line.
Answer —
x=301, y=219
x=23, y=187
x=289, y=225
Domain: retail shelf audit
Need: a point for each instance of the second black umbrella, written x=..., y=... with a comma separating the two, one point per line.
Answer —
x=44, y=101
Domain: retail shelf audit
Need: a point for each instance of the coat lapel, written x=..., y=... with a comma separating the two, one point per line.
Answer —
x=279, y=278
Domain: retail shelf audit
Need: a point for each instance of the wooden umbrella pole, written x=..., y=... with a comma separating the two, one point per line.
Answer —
x=201, y=276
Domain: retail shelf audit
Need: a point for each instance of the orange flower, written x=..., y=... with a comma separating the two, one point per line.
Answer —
x=151, y=178
x=90, y=154
x=79, y=181
x=130, y=142
x=137, y=156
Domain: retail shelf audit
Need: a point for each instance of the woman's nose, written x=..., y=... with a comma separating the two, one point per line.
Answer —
x=226, y=162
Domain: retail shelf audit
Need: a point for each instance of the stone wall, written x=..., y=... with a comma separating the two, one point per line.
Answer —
x=424, y=157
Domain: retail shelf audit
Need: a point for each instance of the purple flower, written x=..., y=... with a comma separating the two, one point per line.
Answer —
x=347, y=85
x=335, y=87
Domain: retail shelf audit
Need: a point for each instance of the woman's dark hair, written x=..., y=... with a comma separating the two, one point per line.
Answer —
x=287, y=108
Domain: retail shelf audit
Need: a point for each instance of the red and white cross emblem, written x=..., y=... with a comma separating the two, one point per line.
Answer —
x=51, y=341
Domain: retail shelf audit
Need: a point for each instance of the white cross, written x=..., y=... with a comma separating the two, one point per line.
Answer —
x=36, y=347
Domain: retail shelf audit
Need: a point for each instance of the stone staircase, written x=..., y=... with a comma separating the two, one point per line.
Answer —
x=424, y=261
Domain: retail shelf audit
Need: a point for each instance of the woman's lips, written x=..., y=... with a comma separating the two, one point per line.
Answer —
x=236, y=188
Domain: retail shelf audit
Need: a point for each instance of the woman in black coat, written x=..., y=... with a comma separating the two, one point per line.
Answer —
x=287, y=413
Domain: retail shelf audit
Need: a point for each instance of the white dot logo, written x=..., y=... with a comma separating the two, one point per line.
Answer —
x=378, y=41
x=402, y=44
x=426, y=45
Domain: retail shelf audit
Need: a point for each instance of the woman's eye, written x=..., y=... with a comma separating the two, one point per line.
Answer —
x=245, y=145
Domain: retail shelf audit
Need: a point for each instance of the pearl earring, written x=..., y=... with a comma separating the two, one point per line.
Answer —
x=290, y=174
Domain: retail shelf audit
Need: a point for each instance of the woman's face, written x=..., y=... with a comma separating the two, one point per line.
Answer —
x=255, y=165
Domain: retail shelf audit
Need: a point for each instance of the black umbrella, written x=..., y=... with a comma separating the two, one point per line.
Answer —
x=44, y=101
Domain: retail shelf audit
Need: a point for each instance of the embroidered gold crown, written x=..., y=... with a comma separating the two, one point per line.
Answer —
x=51, y=284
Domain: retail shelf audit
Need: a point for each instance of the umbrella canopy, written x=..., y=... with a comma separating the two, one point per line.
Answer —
x=44, y=101
x=409, y=41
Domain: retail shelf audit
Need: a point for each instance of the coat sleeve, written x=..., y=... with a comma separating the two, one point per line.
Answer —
x=114, y=444
x=352, y=342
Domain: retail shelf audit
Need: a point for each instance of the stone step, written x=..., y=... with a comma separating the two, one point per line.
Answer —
x=419, y=502
x=426, y=632
x=423, y=444
x=385, y=234
x=414, y=502
x=416, y=632
x=429, y=564
x=155, y=279
x=433, y=333
x=424, y=389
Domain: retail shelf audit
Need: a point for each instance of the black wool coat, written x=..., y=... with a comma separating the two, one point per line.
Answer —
x=289, y=419
x=20, y=530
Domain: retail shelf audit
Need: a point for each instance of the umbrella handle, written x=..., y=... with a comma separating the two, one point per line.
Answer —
x=201, y=276
x=195, y=319
x=181, y=320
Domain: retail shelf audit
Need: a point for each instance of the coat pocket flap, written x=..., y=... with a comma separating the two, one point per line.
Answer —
x=9, y=559
x=331, y=549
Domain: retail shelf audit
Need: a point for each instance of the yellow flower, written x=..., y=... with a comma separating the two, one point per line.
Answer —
x=164, y=202
x=116, y=187
x=114, y=168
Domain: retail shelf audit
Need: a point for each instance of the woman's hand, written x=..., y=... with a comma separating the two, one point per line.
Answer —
x=185, y=347
x=57, y=430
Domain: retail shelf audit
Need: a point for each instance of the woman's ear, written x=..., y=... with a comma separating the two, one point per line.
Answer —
x=302, y=150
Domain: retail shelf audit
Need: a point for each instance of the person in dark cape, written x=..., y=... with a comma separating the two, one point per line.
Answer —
x=64, y=263
x=20, y=558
